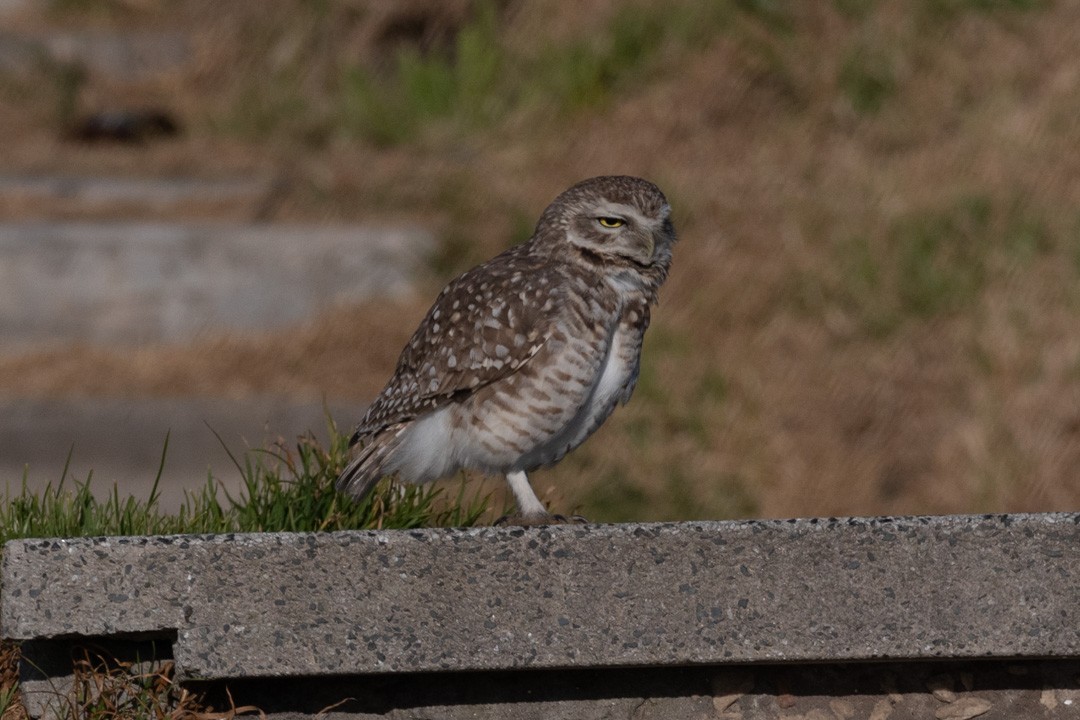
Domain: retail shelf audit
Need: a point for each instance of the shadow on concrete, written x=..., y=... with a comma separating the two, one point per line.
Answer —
x=1013, y=689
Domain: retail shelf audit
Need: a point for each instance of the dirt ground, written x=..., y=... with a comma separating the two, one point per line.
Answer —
x=874, y=303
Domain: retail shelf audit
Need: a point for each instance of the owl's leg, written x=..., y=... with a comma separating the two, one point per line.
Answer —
x=530, y=510
x=529, y=506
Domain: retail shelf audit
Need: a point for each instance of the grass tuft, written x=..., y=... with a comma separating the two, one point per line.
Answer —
x=104, y=687
x=284, y=489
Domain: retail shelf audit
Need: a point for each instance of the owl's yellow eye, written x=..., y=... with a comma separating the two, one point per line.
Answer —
x=611, y=222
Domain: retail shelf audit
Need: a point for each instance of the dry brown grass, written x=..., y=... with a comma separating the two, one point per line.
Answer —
x=780, y=378
x=104, y=688
x=9, y=681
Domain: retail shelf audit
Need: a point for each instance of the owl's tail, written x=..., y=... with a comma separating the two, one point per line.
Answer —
x=368, y=463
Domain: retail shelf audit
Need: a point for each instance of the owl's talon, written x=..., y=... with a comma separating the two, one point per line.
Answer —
x=524, y=520
x=537, y=520
x=571, y=520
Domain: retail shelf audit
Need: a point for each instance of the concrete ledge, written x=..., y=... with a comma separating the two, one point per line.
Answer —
x=120, y=440
x=268, y=605
x=67, y=196
x=164, y=282
x=125, y=57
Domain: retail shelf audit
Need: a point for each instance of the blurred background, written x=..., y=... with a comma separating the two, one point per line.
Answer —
x=233, y=215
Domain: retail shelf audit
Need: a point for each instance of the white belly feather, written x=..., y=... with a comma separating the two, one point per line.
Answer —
x=617, y=371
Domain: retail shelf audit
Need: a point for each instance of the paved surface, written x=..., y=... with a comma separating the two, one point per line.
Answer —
x=534, y=608
x=160, y=282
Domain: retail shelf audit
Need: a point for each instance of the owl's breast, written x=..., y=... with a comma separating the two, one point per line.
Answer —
x=597, y=396
x=587, y=365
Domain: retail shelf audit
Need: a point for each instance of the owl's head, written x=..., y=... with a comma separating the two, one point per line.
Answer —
x=617, y=220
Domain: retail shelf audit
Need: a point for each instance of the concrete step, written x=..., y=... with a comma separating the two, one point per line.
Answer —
x=577, y=621
x=86, y=198
x=167, y=282
x=121, y=441
x=124, y=57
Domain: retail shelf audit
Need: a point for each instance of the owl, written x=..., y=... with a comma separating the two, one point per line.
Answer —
x=523, y=357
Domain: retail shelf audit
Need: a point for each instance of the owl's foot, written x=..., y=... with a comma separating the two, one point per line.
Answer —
x=530, y=510
x=538, y=519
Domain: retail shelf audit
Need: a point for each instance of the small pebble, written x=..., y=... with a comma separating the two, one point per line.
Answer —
x=963, y=709
x=842, y=709
x=941, y=687
x=882, y=710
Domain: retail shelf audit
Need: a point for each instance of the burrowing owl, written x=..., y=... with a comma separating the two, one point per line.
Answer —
x=522, y=358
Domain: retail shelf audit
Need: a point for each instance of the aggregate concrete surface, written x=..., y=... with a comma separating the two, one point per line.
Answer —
x=682, y=620
x=265, y=605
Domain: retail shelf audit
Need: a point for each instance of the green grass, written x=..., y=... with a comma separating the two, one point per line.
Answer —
x=480, y=75
x=586, y=73
x=103, y=687
x=7, y=698
x=616, y=499
x=678, y=497
x=284, y=489
x=773, y=13
x=479, y=79
x=867, y=79
x=856, y=9
x=941, y=257
x=389, y=110
x=947, y=9
x=933, y=262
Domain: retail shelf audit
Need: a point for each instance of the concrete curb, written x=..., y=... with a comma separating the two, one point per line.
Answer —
x=312, y=609
x=264, y=605
x=163, y=282
x=67, y=196
x=120, y=441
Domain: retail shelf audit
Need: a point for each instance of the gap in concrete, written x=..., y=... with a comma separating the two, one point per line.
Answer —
x=51, y=674
x=1011, y=691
